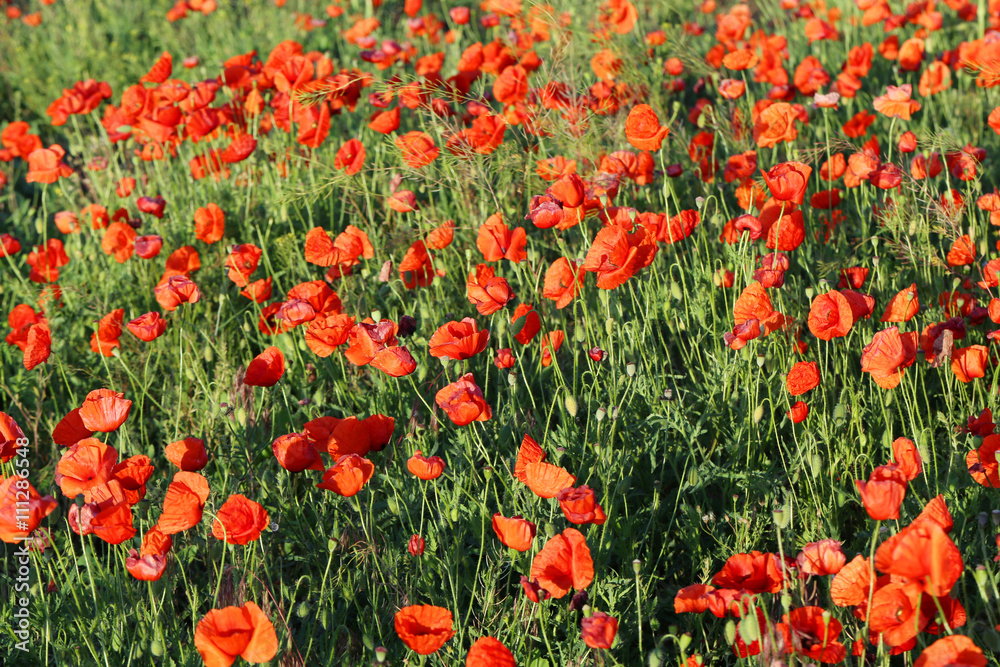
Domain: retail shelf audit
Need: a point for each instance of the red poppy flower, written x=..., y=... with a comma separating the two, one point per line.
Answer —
x=798, y=412
x=982, y=462
x=458, y=340
x=104, y=410
x=580, y=505
x=296, y=453
x=968, y=363
x=85, y=466
x=883, y=493
x=754, y=572
x=526, y=323
x=242, y=262
x=490, y=652
x=821, y=558
x=851, y=585
x=425, y=467
x=486, y=291
x=240, y=520
x=45, y=165
x=11, y=437
x=188, y=454
x=441, y=237
x=118, y=241
x=563, y=563
x=109, y=328
x=516, y=532
x=809, y=631
x=183, y=503
x=787, y=181
x=803, y=377
x=148, y=327
x=113, y=524
x=562, y=280
x=897, y=613
x=598, y=630
x=424, y=628
x=223, y=635
x=923, y=553
x=348, y=475
x=21, y=509
x=955, y=650
x=616, y=255
x=463, y=401
x=903, y=306
x=906, y=458
x=209, y=223
x=376, y=344
x=265, y=369
x=504, y=358
x=149, y=246
x=132, y=474
x=889, y=353
x=418, y=149
x=350, y=157
x=496, y=241
x=643, y=129
x=417, y=267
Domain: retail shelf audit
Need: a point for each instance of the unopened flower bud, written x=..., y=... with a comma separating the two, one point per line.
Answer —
x=983, y=519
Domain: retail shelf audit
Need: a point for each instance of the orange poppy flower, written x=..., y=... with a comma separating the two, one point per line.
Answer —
x=240, y=520
x=223, y=635
x=598, y=630
x=903, y=306
x=132, y=474
x=463, y=401
x=148, y=327
x=258, y=291
x=118, y=241
x=70, y=429
x=883, y=493
x=515, y=533
x=821, y=558
x=176, y=290
x=385, y=122
x=21, y=509
x=961, y=252
x=296, y=453
x=968, y=363
x=896, y=102
x=740, y=60
x=803, y=377
x=486, y=291
x=851, y=584
x=563, y=563
x=441, y=237
x=754, y=305
x=265, y=369
x=955, y=650
x=209, y=223
x=109, y=328
x=38, y=346
x=85, y=466
x=418, y=149
x=424, y=628
x=490, y=652
x=775, y=124
x=580, y=505
x=888, y=355
x=458, y=340
x=350, y=157
x=425, y=467
x=562, y=280
x=113, y=524
x=188, y=454
x=182, y=505
x=897, y=613
x=511, y=86
x=496, y=241
x=327, y=332
x=104, y=410
x=529, y=452
x=643, y=129
x=692, y=599
x=348, y=475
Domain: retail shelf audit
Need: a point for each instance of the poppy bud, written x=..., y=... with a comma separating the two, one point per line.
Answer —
x=780, y=518
x=983, y=519
x=407, y=325
x=512, y=379
x=996, y=517
x=571, y=405
x=981, y=577
x=758, y=413
x=684, y=641
x=302, y=610
x=749, y=628
x=730, y=632
x=416, y=545
x=760, y=361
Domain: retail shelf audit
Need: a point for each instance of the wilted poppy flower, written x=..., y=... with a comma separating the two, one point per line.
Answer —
x=490, y=652
x=516, y=532
x=183, y=503
x=223, y=635
x=563, y=563
x=21, y=509
x=803, y=377
x=266, y=368
x=148, y=327
x=348, y=475
x=239, y=520
x=104, y=410
x=188, y=454
x=580, y=505
x=643, y=129
x=424, y=628
x=821, y=558
x=598, y=630
x=458, y=340
x=883, y=493
x=425, y=467
x=152, y=205
x=463, y=401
